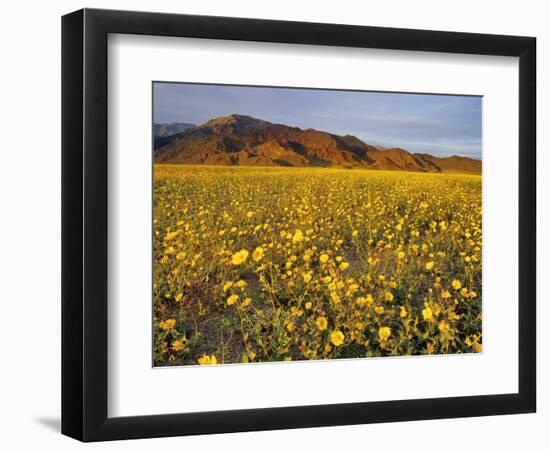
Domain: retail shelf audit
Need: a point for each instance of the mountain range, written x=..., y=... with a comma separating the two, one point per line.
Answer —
x=247, y=141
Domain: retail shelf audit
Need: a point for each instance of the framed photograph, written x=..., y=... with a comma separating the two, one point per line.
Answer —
x=274, y=225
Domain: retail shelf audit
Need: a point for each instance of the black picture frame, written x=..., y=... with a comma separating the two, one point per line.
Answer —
x=84, y=224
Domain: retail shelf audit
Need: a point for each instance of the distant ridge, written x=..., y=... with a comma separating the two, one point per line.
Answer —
x=169, y=129
x=240, y=140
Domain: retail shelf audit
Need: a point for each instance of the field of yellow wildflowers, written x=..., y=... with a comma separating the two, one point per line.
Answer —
x=278, y=264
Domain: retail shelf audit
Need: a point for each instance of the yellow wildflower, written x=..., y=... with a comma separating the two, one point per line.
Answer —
x=241, y=284
x=167, y=324
x=232, y=299
x=322, y=323
x=337, y=338
x=384, y=333
x=239, y=257
x=298, y=237
x=427, y=313
x=207, y=359
x=444, y=327
x=178, y=345
x=170, y=236
x=258, y=254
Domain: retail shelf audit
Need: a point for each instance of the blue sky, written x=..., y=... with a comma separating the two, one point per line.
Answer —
x=441, y=125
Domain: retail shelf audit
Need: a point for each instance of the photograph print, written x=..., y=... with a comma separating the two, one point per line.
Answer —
x=295, y=224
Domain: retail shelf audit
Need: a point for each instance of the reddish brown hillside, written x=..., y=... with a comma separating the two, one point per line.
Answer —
x=452, y=163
